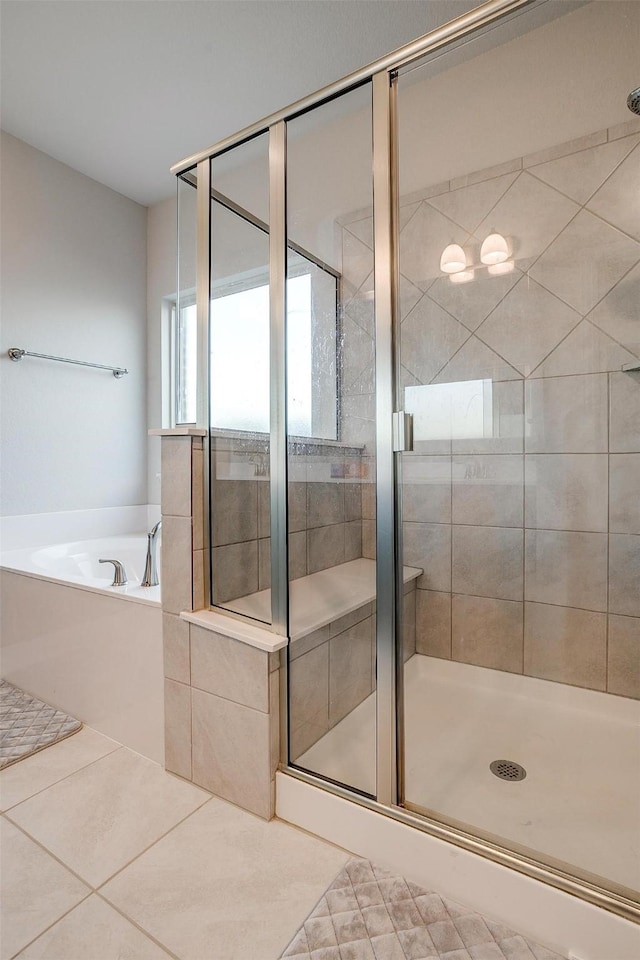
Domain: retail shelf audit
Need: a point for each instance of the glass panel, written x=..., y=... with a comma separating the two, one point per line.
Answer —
x=520, y=279
x=184, y=326
x=331, y=476
x=239, y=381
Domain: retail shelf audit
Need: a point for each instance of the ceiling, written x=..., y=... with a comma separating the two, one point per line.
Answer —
x=121, y=89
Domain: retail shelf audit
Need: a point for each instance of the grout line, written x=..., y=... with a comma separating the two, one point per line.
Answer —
x=46, y=929
x=119, y=746
x=120, y=869
x=138, y=927
x=53, y=855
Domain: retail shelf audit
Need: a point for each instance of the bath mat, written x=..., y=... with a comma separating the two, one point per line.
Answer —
x=370, y=914
x=28, y=725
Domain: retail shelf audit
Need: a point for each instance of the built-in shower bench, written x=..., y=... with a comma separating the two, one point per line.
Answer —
x=332, y=662
x=322, y=604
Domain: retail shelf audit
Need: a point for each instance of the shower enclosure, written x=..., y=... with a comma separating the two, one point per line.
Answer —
x=408, y=318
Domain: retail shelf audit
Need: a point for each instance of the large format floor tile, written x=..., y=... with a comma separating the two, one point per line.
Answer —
x=225, y=884
x=33, y=774
x=35, y=890
x=93, y=931
x=101, y=817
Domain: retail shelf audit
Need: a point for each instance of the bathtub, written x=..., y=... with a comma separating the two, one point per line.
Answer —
x=70, y=638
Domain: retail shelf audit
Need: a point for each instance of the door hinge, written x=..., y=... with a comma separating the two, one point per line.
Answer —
x=402, y=432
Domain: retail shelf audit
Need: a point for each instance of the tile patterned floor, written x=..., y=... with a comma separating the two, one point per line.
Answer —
x=28, y=725
x=369, y=914
x=104, y=856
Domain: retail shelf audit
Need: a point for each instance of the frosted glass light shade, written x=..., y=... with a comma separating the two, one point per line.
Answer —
x=494, y=249
x=463, y=276
x=497, y=269
x=453, y=259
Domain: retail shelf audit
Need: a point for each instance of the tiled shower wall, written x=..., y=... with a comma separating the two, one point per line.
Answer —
x=529, y=537
x=325, y=513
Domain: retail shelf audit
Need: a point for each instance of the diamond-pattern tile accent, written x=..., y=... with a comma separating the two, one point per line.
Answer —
x=467, y=206
x=581, y=173
x=28, y=725
x=585, y=261
x=617, y=201
x=369, y=914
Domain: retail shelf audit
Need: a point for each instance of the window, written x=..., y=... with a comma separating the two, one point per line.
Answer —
x=240, y=360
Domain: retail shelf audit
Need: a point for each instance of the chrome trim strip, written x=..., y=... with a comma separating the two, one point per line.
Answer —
x=591, y=891
x=478, y=17
x=278, y=349
x=203, y=297
x=386, y=568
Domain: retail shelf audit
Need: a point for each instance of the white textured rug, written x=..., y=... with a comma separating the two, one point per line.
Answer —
x=28, y=724
x=370, y=914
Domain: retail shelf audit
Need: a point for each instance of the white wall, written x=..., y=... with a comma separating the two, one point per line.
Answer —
x=73, y=256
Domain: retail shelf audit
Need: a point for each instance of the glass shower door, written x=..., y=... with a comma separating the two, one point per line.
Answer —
x=519, y=360
x=331, y=442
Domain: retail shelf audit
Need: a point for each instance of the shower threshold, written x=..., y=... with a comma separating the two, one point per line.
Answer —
x=578, y=802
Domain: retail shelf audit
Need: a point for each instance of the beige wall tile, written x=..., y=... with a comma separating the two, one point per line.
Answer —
x=625, y=413
x=350, y=658
x=369, y=539
x=309, y=693
x=562, y=149
x=624, y=493
x=175, y=644
x=325, y=503
x=264, y=563
x=353, y=540
x=624, y=656
x=297, y=555
x=428, y=547
x=234, y=507
x=487, y=562
x=349, y=619
x=566, y=645
x=325, y=547
x=507, y=434
x=624, y=574
x=298, y=648
x=605, y=255
x=297, y=501
x=198, y=590
x=566, y=414
x=568, y=569
x=426, y=489
x=197, y=496
x=264, y=508
x=274, y=729
x=231, y=752
x=433, y=624
x=176, y=564
x=229, y=668
x=487, y=490
x=369, y=500
x=235, y=570
x=175, y=496
x=566, y=491
x=487, y=632
x=409, y=624
x=353, y=501
x=177, y=728
x=527, y=325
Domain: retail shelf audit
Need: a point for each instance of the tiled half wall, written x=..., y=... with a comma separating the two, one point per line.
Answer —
x=529, y=535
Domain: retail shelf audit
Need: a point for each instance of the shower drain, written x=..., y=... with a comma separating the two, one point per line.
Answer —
x=507, y=770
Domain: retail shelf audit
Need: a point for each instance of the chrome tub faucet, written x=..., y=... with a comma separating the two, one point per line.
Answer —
x=150, y=578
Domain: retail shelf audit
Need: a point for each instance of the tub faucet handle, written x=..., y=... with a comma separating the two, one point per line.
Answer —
x=119, y=572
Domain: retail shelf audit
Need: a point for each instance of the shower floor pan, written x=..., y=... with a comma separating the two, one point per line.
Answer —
x=580, y=749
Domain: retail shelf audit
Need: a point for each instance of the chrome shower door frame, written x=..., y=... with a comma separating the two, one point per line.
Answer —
x=389, y=571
